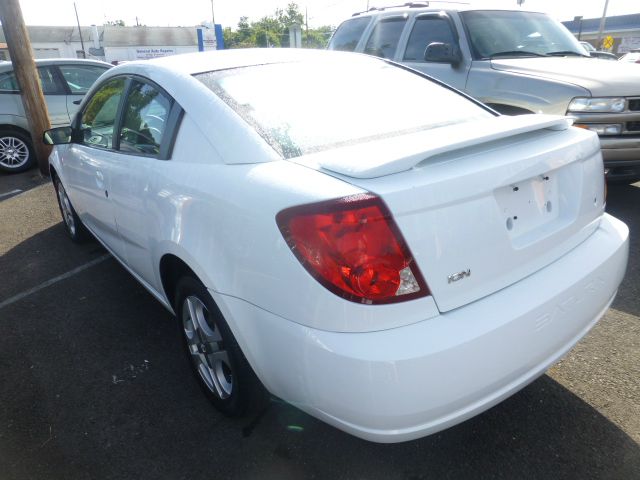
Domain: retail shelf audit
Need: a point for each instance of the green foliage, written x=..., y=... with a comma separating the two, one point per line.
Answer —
x=115, y=23
x=273, y=31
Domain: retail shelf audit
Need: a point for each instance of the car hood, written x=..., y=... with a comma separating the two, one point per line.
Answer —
x=600, y=77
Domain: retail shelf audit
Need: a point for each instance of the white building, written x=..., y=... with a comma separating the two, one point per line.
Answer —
x=108, y=43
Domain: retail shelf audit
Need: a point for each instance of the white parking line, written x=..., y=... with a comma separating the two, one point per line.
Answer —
x=52, y=281
x=12, y=192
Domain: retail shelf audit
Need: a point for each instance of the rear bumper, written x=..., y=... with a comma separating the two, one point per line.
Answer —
x=404, y=383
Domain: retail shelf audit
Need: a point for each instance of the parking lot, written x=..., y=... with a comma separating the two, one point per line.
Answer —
x=95, y=384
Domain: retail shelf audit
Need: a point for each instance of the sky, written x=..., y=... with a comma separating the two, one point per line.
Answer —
x=228, y=12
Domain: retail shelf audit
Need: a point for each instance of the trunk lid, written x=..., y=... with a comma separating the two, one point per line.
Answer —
x=484, y=205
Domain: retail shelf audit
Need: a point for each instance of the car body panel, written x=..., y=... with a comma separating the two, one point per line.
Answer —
x=598, y=78
x=404, y=383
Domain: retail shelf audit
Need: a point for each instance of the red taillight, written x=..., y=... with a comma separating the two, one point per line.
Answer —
x=353, y=247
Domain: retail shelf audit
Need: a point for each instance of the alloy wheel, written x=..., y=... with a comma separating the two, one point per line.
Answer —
x=206, y=346
x=65, y=206
x=14, y=152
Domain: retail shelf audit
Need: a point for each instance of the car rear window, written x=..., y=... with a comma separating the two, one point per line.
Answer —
x=305, y=107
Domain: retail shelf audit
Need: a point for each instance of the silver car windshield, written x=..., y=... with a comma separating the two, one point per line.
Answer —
x=518, y=34
x=305, y=107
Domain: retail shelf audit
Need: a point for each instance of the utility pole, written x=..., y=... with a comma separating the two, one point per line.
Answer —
x=578, y=19
x=306, y=22
x=213, y=19
x=84, y=53
x=15, y=32
x=602, y=20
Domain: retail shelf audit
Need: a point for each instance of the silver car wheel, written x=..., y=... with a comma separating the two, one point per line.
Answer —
x=14, y=152
x=206, y=347
x=65, y=206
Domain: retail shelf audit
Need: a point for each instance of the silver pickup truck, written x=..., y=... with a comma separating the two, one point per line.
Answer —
x=516, y=62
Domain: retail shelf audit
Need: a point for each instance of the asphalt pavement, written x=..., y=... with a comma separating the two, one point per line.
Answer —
x=95, y=385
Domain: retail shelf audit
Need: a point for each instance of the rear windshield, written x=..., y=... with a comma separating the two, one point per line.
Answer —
x=305, y=107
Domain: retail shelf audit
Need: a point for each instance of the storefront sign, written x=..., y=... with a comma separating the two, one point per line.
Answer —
x=152, y=52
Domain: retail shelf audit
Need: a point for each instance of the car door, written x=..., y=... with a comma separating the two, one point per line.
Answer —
x=430, y=28
x=149, y=124
x=88, y=160
x=78, y=79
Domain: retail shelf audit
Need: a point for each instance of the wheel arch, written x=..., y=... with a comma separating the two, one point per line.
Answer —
x=505, y=109
x=172, y=268
x=15, y=128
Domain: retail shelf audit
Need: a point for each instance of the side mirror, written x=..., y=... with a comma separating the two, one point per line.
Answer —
x=57, y=136
x=443, y=53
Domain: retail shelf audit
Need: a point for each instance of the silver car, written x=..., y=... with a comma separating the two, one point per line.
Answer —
x=64, y=83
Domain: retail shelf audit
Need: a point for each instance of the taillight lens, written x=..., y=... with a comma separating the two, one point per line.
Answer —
x=353, y=247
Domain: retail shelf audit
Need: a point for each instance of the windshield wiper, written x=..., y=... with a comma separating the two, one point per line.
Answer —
x=512, y=53
x=562, y=53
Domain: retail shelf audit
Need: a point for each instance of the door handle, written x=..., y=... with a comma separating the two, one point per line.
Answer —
x=77, y=102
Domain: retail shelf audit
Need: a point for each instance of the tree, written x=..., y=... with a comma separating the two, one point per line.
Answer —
x=273, y=31
x=318, y=37
x=115, y=23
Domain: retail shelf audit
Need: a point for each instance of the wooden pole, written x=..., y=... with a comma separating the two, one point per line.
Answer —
x=15, y=33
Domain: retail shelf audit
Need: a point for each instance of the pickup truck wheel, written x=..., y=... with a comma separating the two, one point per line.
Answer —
x=72, y=223
x=221, y=368
x=16, y=151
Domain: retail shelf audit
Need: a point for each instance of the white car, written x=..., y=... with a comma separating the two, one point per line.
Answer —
x=369, y=245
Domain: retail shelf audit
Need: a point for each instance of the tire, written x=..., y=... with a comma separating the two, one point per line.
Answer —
x=217, y=361
x=72, y=223
x=16, y=151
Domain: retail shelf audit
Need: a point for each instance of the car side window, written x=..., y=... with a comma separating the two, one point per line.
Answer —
x=348, y=34
x=146, y=112
x=384, y=37
x=99, y=117
x=427, y=30
x=80, y=78
x=8, y=83
x=48, y=81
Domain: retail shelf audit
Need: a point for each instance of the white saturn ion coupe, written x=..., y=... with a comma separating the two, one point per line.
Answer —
x=349, y=235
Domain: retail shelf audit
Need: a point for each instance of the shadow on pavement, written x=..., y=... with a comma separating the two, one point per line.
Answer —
x=12, y=184
x=623, y=202
x=42, y=257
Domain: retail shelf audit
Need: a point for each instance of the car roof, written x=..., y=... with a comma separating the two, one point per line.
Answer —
x=199, y=62
x=43, y=62
x=434, y=6
x=67, y=61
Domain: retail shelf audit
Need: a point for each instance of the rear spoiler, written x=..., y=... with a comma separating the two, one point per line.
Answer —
x=397, y=154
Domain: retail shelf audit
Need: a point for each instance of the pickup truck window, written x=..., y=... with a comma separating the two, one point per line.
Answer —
x=514, y=34
x=427, y=30
x=348, y=34
x=384, y=37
